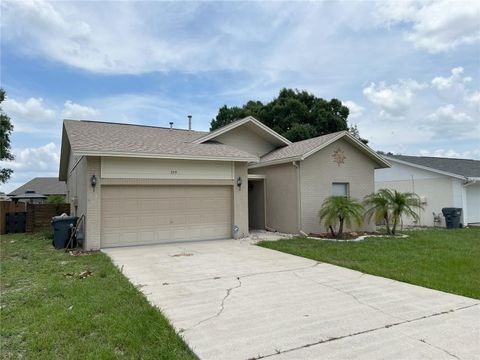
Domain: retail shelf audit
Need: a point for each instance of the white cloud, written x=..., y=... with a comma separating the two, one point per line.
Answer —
x=32, y=109
x=139, y=38
x=394, y=100
x=437, y=26
x=73, y=110
x=264, y=39
x=450, y=153
x=355, y=109
x=33, y=116
x=40, y=159
x=474, y=98
x=30, y=163
x=447, y=122
x=456, y=79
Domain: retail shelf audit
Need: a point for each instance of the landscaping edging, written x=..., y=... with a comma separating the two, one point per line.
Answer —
x=360, y=238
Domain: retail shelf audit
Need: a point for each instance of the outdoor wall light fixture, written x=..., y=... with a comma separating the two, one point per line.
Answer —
x=239, y=182
x=93, y=181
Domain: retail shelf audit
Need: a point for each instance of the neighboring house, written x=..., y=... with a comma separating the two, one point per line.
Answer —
x=440, y=183
x=42, y=186
x=143, y=185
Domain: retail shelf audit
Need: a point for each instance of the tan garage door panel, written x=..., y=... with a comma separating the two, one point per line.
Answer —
x=134, y=215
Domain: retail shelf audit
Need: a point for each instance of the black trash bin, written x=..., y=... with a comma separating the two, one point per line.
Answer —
x=452, y=217
x=62, y=229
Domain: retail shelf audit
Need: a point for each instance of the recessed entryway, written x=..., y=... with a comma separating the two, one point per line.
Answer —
x=256, y=202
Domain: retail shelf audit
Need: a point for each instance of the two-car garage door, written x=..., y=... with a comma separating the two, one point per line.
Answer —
x=134, y=215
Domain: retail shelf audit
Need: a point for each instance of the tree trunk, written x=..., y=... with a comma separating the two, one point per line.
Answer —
x=394, y=226
x=340, y=228
x=332, y=231
x=387, y=224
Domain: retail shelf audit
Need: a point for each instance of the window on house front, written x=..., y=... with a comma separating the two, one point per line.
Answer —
x=340, y=189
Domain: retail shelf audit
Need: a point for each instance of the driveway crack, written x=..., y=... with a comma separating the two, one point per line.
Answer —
x=433, y=346
x=278, y=352
x=243, y=276
x=222, y=306
x=351, y=295
x=229, y=291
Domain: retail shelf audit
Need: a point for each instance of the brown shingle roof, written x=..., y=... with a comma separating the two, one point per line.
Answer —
x=299, y=148
x=42, y=185
x=102, y=137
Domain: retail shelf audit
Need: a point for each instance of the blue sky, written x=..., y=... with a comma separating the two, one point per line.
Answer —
x=409, y=71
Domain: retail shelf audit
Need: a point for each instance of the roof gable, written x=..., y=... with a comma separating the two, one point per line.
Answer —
x=301, y=150
x=42, y=185
x=254, y=125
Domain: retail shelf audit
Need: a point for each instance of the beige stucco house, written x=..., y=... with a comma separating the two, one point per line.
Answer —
x=440, y=183
x=143, y=185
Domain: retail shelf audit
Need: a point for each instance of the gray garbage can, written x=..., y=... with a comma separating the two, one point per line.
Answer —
x=452, y=217
x=62, y=229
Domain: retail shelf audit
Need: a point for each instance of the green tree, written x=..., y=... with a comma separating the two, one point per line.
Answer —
x=297, y=115
x=404, y=204
x=354, y=131
x=378, y=207
x=391, y=205
x=6, y=128
x=340, y=210
x=55, y=199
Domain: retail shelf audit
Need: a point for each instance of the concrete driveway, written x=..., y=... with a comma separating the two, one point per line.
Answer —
x=233, y=300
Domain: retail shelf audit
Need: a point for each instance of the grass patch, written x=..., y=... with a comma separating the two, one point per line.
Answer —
x=47, y=315
x=441, y=259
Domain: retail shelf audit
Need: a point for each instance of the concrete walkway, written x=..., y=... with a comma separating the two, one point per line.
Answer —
x=233, y=300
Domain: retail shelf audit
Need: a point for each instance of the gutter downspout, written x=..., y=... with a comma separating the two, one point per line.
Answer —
x=296, y=165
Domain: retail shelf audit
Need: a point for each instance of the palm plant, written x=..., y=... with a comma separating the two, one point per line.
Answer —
x=378, y=206
x=342, y=211
x=404, y=204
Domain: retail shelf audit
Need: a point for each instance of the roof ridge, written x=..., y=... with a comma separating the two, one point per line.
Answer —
x=129, y=124
x=316, y=137
x=431, y=157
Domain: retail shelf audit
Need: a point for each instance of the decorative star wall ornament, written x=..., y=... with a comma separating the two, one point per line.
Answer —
x=339, y=156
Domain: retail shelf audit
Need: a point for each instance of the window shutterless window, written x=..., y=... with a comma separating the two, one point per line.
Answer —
x=340, y=189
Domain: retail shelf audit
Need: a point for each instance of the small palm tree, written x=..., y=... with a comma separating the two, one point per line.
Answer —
x=341, y=210
x=404, y=204
x=378, y=206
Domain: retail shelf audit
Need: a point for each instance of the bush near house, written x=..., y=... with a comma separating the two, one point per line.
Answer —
x=385, y=205
x=340, y=210
x=55, y=199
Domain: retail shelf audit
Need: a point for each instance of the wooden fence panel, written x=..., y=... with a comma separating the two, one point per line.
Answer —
x=39, y=216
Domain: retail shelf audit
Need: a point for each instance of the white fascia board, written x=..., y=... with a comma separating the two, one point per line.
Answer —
x=426, y=168
x=238, y=123
x=274, y=162
x=356, y=142
x=165, y=156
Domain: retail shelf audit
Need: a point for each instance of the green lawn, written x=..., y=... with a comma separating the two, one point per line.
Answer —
x=447, y=260
x=47, y=315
